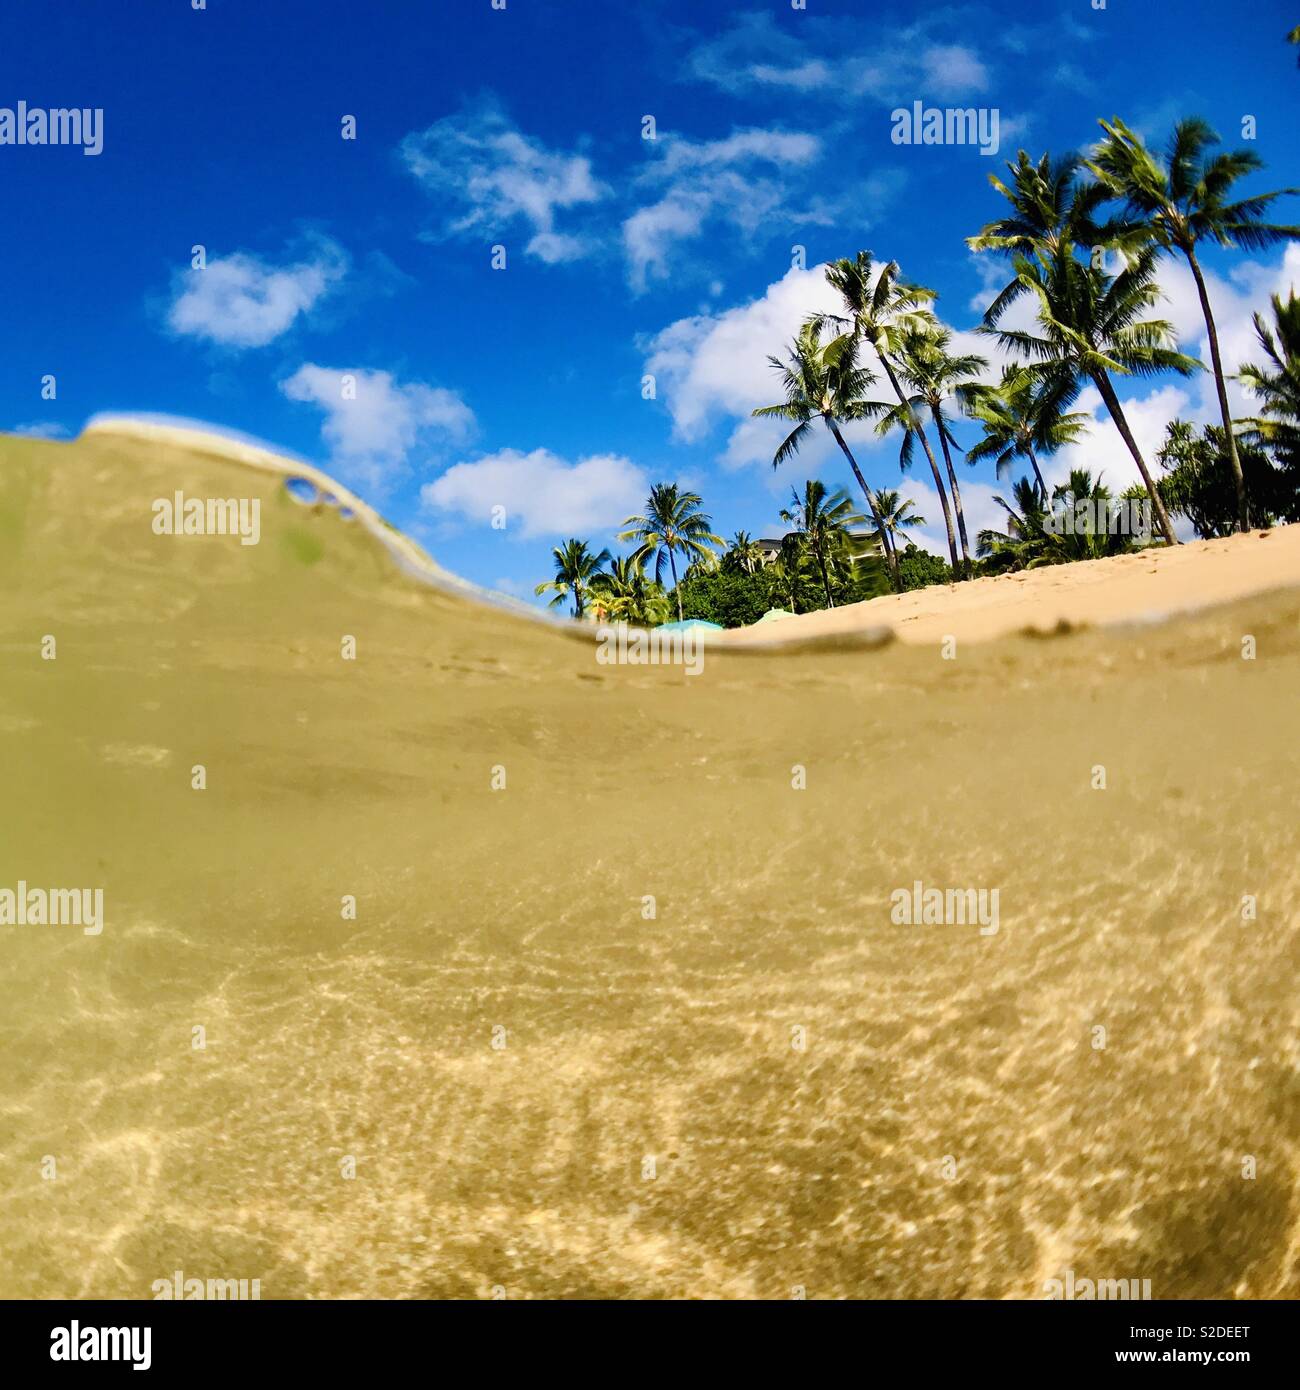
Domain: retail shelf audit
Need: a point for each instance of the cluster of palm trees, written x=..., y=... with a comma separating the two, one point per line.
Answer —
x=673, y=524
x=1084, y=238
x=818, y=559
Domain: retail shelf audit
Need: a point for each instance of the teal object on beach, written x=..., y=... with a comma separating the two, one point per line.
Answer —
x=774, y=615
x=691, y=623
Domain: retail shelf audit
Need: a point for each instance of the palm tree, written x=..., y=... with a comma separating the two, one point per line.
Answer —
x=1178, y=202
x=823, y=382
x=1033, y=539
x=934, y=375
x=626, y=594
x=1048, y=207
x=882, y=308
x=1091, y=325
x=822, y=518
x=575, y=568
x=1278, y=382
x=1023, y=416
x=672, y=523
x=897, y=514
x=790, y=573
x=744, y=554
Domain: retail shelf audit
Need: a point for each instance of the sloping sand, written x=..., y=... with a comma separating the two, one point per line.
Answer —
x=1156, y=583
x=623, y=1010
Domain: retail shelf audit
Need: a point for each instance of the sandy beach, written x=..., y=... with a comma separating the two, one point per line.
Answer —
x=1156, y=583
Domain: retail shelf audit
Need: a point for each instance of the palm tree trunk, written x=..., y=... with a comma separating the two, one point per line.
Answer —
x=890, y=558
x=934, y=467
x=1038, y=472
x=826, y=583
x=1102, y=382
x=677, y=593
x=1220, y=382
x=956, y=491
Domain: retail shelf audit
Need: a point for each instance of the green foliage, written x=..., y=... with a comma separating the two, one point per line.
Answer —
x=1277, y=383
x=734, y=599
x=1198, y=481
x=1033, y=538
x=919, y=568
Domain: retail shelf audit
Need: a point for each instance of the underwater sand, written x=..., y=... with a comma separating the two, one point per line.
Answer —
x=947, y=1128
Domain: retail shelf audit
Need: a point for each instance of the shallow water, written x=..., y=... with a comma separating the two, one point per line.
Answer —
x=943, y=1126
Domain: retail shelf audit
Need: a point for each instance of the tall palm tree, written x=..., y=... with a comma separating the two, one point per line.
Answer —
x=1091, y=324
x=672, y=524
x=826, y=383
x=575, y=568
x=882, y=308
x=934, y=375
x=1023, y=416
x=822, y=518
x=744, y=554
x=897, y=514
x=1277, y=383
x=1177, y=202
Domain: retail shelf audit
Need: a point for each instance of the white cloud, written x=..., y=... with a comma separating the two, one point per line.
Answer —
x=543, y=494
x=713, y=365
x=242, y=301
x=1233, y=302
x=373, y=423
x=981, y=511
x=489, y=176
x=1103, y=451
x=743, y=183
x=841, y=59
x=950, y=70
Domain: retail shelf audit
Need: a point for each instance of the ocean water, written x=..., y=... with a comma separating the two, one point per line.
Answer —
x=639, y=1022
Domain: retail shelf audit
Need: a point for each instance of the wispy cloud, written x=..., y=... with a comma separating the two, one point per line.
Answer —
x=491, y=177
x=373, y=423
x=742, y=187
x=244, y=301
x=542, y=494
x=843, y=59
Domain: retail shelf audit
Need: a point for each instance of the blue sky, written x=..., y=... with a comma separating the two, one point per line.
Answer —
x=522, y=388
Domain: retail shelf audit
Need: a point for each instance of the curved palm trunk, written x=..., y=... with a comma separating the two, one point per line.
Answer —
x=1102, y=382
x=952, y=480
x=1038, y=472
x=677, y=593
x=1220, y=382
x=891, y=559
x=934, y=467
